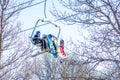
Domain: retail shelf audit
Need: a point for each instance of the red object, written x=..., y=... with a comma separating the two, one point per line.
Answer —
x=62, y=50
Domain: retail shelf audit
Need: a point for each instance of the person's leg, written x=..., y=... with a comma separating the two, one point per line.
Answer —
x=56, y=49
x=42, y=45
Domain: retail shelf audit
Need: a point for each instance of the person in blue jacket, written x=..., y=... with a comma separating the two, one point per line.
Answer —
x=52, y=45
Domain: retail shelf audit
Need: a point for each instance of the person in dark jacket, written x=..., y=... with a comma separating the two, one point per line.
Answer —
x=36, y=38
x=41, y=42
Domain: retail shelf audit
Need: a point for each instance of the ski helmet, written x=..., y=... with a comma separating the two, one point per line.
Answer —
x=37, y=32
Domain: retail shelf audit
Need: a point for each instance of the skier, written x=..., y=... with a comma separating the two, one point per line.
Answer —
x=52, y=45
x=62, y=47
x=41, y=42
x=36, y=38
x=44, y=46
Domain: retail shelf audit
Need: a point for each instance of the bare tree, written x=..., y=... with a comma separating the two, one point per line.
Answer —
x=102, y=19
x=14, y=48
x=50, y=68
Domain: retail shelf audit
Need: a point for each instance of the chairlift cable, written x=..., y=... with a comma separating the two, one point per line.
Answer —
x=45, y=9
x=25, y=7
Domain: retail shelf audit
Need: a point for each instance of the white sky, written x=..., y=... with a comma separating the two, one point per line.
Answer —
x=29, y=16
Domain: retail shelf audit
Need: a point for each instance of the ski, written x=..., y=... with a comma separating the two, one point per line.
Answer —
x=38, y=53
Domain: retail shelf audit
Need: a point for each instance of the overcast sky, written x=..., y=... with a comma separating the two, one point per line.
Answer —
x=29, y=16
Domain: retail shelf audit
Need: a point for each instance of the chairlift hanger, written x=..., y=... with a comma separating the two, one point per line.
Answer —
x=49, y=22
